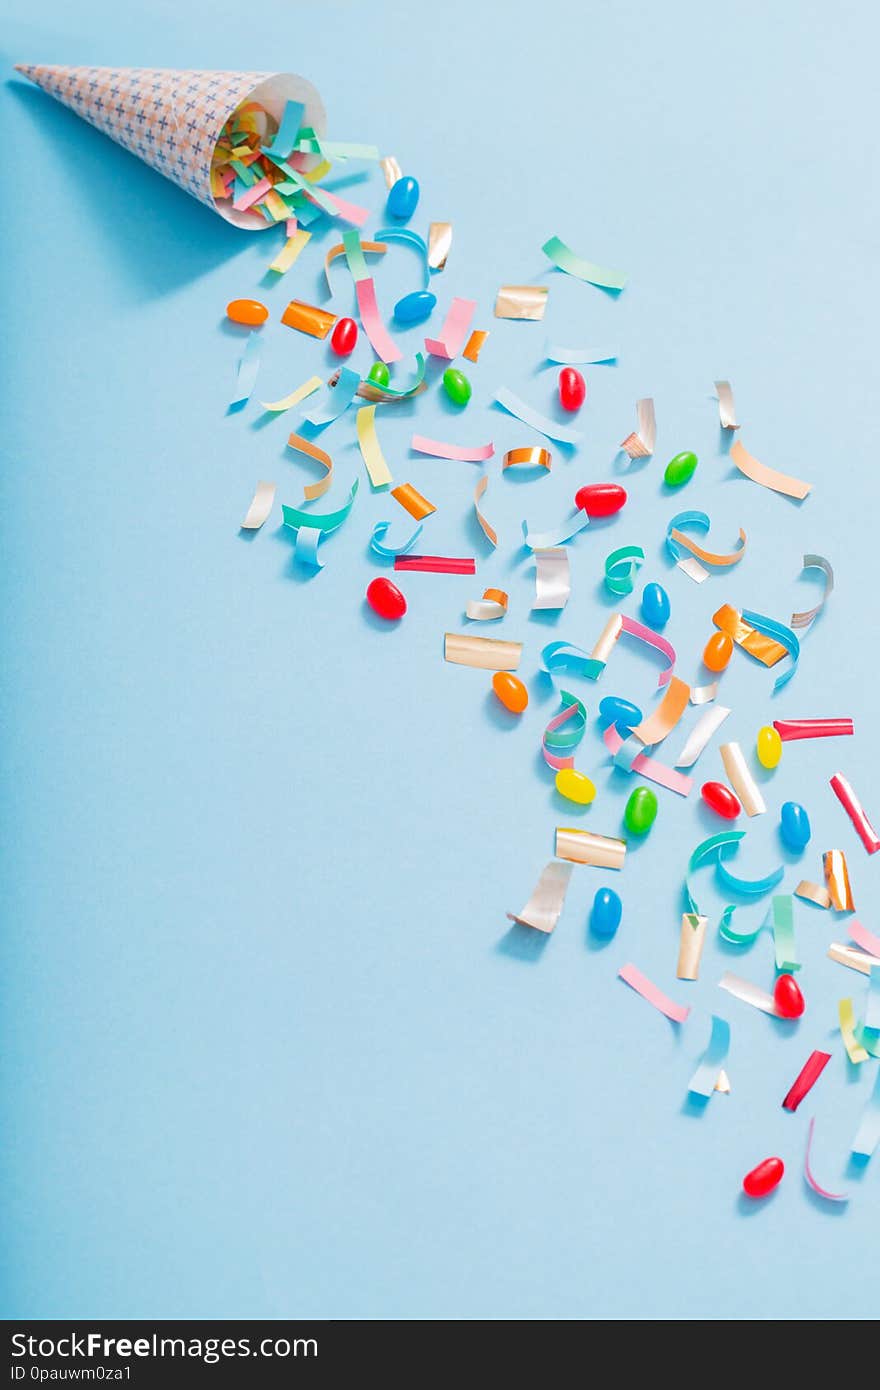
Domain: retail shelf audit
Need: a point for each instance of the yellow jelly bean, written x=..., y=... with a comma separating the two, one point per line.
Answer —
x=574, y=786
x=769, y=747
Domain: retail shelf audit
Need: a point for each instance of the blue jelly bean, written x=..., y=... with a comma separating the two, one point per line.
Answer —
x=605, y=914
x=620, y=712
x=794, y=826
x=415, y=307
x=655, y=605
x=403, y=198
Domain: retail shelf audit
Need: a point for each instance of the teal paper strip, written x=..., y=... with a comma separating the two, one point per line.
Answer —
x=781, y=920
x=702, y=1083
x=284, y=142
x=565, y=259
x=868, y=1134
x=562, y=656
x=780, y=633
x=333, y=401
x=620, y=568
x=388, y=552
x=295, y=517
x=409, y=239
x=354, y=255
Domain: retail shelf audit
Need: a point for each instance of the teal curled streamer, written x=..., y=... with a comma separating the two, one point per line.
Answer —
x=781, y=634
x=717, y=848
x=410, y=239
x=311, y=527
x=562, y=656
x=388, y=552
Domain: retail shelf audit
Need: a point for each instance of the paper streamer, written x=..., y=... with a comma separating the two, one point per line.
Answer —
x=487, y=653
x=563, y=656
x=640, y=444
x=376, y=248
x=439, y=244
x=260, y=507
x=488, y=531
x=871, y=1022
x=543, y=909
x=762, y=648
x=311, y=527
x=808, y=1172
x=565, y=259
x=576, y=357
x=805, y=619
x=617, y=625
x=621, y=567
x=693, y=569
x=837, y=880
x=527, y=458
x=749, y=993
x=657, y=726
x=586, y=847
x=868, y=1134
x=246, y=372
x=767, y=477
x=334, y=400
x=690, y=946
x=380, y=339
x=412, y=501
x=290, y=251
x=461, y=453
x=812, y=893
x=749, y=887
x=704, y=694
x=521, y=302
x=708, y=723
x=702, y=1083
x=714, y=850
x=454, y=330
x=852, y=959
x=552, y=579
x=806, y=1079
x=512, y=403
x=409, y=238
x=847, y=1019
x=854, y=809
x=741, y=779
x=722, y=1085
x=475, y=345
x=436, y=564
x=308, y=387
x=489, y=608
x=791, y=730
x=726, y=407
x=632, y=976
x=391, y=170
x=781, y=921
x=305, y=446
x=864, y=938
x=677, y=541
x=308, y=318
x=778, y=632
x=389, y=552
x=647, y=767
x=547, y=540
x=564, y=732
x=371, y=450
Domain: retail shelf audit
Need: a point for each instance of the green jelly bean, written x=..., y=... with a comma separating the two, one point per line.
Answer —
x=379, y=374
x=641, y=811
x=456, y=386
x=680, y=470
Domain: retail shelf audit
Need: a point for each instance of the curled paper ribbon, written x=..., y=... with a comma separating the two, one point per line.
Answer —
x=847, y=1020
x=552, y=579
x=868, y=1134
x=489, y=608
x=576, y=357
x=290, y=251
x=864, y=938
x=749, y=887
x=478, y=453
x=475, y=345
x=812, y=893
x=334, y=400
x=487, y=653
x=690, y=946
x=741, y=779
x=454, y=330
x=488, y=531
x=308, y=318
x=547, y=540
x=709, y=851
x=543, y=909
x=565, y=259
x=311, y=527
x=391, y=170
x=854, y=809
x=704, y=694
x=409, y=238
x=676, y=541
x=371, y=450
x=780, y=918
x=260, y=507
x=749, y=993
x=761, y=647
x=389, y=395
x=562, y=656
x=806, y=1079
x=640, y=444
x=436, y=564
x=708, y=723
x=381, y=341
x=527, y=458
x=837, y=880
x=390, y=552
x=564, y=732
x=412, y=501
x=439, y=244
x=509, y=401
x=808, y=1172
x=632, y=976
x=305, y=446
x=586, y=847
x=620, y=568
x=767, y=477
x=848, y=956
x=805, y=619
x=636, y=761
x=616, y=626
x=314, y=383
x=779, y=633
x=702, y=1083
x=792, y=729
x=521, y=302
x=726, y=407
x=246, y=372
x=658, y=725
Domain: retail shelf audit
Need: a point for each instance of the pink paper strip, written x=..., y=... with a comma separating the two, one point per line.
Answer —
x=349, y=212
x=382, y=343
x=632, y=976
x=656, y=772
x=653, y=639
x=864, y=938
x=808, y=1172
x=435, y=564
x=290, y=227
x=554, y=760
x=437, y=449
x=454, y=330
x=252, y=195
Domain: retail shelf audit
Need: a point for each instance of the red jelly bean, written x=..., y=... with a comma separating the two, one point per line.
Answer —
x=344, y=337
x=386, y=599
x=761, y=1181
x=572, y=389
x=721, y=800
x=788, y=997
x=600, y=499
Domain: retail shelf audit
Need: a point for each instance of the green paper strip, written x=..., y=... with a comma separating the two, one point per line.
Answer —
x=354, y=255
x=781, y=921
x=706, y=851
x=295, y=517
x=565, y=259
x=621, y=566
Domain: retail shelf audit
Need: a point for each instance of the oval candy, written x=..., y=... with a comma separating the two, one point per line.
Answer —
x=640, y=811
x=718, y=651
x=794, y=826
x=761, y=1181
x=385, y=599
x=721, y=800
x=600, y=499
x=415, y=307
x=403, y=198
x=575, y=786
x=510, y=691
x=456, y=386
x=606, y=912
x=344, y=337
x=572, y=389
x=680, y=470
x=769, y=746
x=379, y=374
x=620, y=713
x=655, y=605
x=788, y=997
x=249, y=311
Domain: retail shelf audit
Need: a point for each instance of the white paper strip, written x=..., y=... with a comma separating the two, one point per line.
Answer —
x=707, y=724
x=741, y=779
x=749, y=993
x=544, y=906
x=552, y=578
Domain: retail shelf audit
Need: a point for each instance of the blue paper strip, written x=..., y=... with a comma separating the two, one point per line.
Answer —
x=509, y=401
x=868, y=1134
x=246, y=372
x=545, y=540
x=388, y=552
x=702, y=1083
x=333, y=401
x=562, y=656
x=780, y=633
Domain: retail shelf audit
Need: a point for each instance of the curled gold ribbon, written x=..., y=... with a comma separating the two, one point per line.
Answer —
x=527, y=458
x=308, y=318
x=439, y=243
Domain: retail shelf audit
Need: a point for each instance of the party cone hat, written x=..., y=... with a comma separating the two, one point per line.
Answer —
x=172, y=118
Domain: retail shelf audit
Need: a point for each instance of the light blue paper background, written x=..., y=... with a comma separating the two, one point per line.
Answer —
x=269, y=1046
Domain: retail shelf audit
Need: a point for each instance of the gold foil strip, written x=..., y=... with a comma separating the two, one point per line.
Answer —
x=690, y=947
x=489, y=608
x=305, y=446
x=607, y=638
x=260, y=507
x=586, y=847
x=726, y=407
x=439, y=243
x=837, y=879
x=728, y=619
x=486, y=653
x=655, y=728
x=722, y=1085
x=768, y=477
x=475, y=345
x=741, y=779
x=548, y=896
x=527, y=458
x=640, y=444
x=308, y=318
x=849, y=956
x=521, y=302
x=412, y=501
x=391, y=170
x=813, y=893
x=488, y=531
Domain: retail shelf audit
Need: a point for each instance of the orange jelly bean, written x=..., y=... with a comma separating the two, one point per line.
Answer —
x=249, y=311
x=510, y=691
x=718, y=651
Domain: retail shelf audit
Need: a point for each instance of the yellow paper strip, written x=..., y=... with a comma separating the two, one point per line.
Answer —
x=488, y=531
x=527, y=458
x=289, y=251
x=768, y=477
x=412, y=501
x=391, y=170
x=439, y=243
x=521, y=302
x=640, y=444
x=667, y=714
x=305, y=446
x=260, y=507
x=475, y=345
x=308, y=318
x=837, y=879
x=377, y=468
x=487, y=653
x=307, y=388
x=690, y=946
x=741, y=779
x=849, y=956
x=813, y=893
x=586, y=847
x=854, y=1050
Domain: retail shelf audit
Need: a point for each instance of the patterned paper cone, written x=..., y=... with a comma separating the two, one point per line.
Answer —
x=171, y=118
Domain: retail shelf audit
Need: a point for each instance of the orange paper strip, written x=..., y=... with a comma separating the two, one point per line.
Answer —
x=709, y=556
x=768, y=477
x=412, y=501
x=527, y=458
x=762, y=648
x=305, y=446
x=488, y=531
x=667, y=714
x=813, y=893
x=308, y=318
x=837, y=879
x=475, y=344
